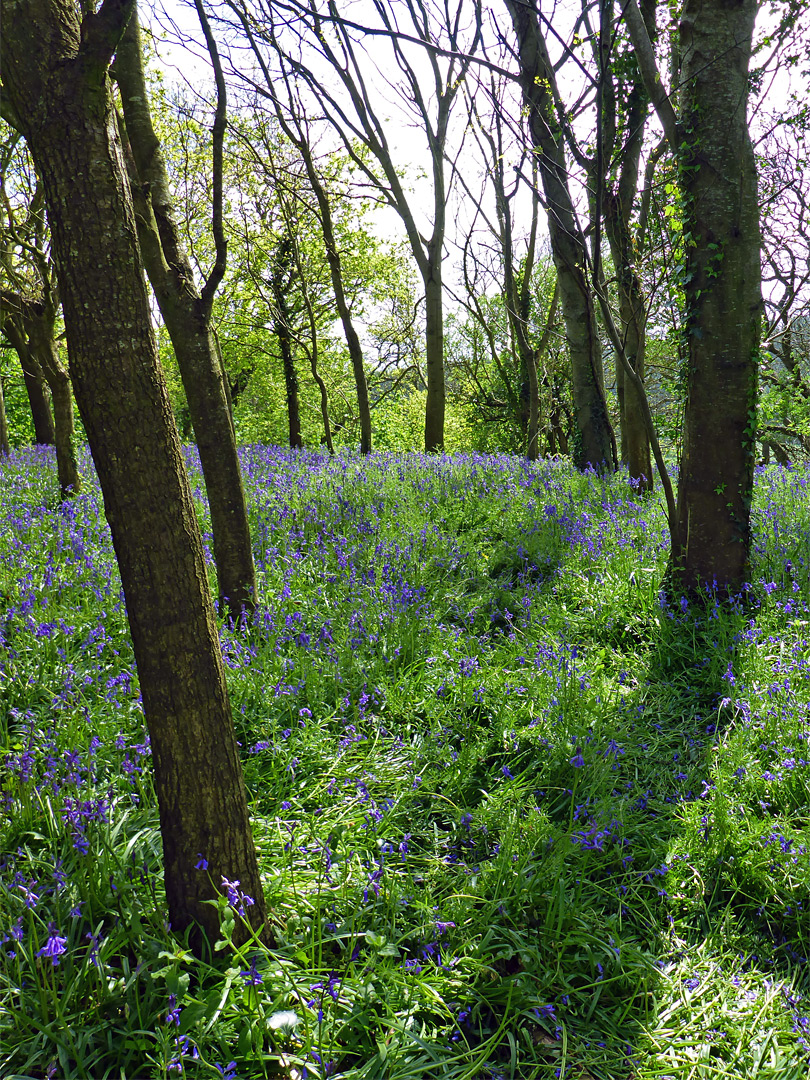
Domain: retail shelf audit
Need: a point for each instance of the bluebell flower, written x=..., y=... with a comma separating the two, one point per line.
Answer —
x=54, y=947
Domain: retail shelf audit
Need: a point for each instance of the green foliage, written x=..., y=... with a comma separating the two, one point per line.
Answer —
x=516, y=811
x=18, y=411
x=398, y=423
x=486, y=377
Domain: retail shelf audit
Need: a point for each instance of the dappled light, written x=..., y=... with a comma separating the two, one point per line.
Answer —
x=515, y=808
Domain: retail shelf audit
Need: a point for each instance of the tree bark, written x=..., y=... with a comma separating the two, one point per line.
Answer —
x=187, y=317
x=41, y=415
x=595, y=442
x=723, y=295
x=55, y=64
x=722, y=284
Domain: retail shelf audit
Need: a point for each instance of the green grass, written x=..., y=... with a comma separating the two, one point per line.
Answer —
x=517, y=814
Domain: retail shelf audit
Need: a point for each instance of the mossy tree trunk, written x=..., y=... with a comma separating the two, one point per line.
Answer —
x=723, y=295
x=186, y=311
x=711, y=536
x=55, y=64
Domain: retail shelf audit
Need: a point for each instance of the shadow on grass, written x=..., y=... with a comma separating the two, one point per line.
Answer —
x=637, y=878
x=675, y=870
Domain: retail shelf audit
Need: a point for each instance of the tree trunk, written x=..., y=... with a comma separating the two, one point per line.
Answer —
x=279, y=283
x=187, y=319
x=43, y=348
x=434, y=355
x=532, y=442
x=620, y=400
x=31, y=332
x=282, y=332
x=595, y=443
x=557, y=435
x=723, y=295
x=344, y=311
x=41, y=415
x=5, y=445
x=35, y=385
x=358, y=369
x=55, y=65
x=635, y=442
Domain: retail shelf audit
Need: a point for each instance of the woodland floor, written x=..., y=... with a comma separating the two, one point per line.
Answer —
x=518, y=813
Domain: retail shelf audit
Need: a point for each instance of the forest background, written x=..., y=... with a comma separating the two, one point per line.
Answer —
x=275, y=312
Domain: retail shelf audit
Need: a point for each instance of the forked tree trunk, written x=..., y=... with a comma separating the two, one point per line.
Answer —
x=595, y=444
x=35, y=386
x=187, y=317
x=43, y=348
x=55, y=65
x=31, y=332
x=723, y=295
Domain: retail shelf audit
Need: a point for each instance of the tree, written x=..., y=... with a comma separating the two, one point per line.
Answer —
x=723, y=303
x=356, y=118
x=56, y=91
x=784, y=174
x=28, y=324
x=516, y=354
x=186, y=311
x=35, y=385
x=5, y=447
x=516, y=274
x=623, y=105
x=29, y=309
x=280, y=280
x=12, y=156
x=271, y=202
x=293, y=123
x=538, y=80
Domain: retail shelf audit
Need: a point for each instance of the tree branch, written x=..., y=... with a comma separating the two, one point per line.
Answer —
x=100, y=34
x=650, y=75
x=217, y=139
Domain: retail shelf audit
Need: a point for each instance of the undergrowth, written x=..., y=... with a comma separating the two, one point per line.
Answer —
x=518, y=813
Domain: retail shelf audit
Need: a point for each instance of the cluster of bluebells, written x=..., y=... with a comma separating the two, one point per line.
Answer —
x=352, y=603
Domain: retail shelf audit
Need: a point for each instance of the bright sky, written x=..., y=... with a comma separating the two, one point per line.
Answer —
x=176, y=20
